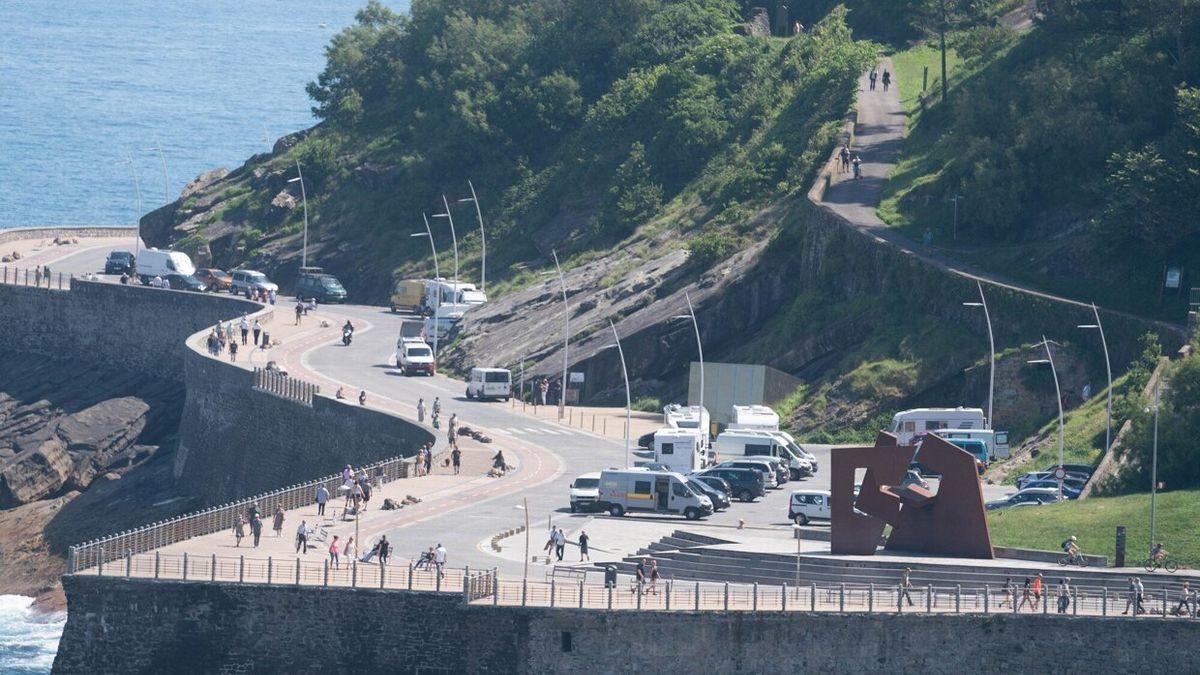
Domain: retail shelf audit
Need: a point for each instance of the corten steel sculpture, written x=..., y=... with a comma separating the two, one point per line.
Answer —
x=952, y=522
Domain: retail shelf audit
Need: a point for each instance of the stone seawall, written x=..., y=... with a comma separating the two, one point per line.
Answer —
x=52, y=231
x=237, y=441
x=130, y=327
x=139, y=626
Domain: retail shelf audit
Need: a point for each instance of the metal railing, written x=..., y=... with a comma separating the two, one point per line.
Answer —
x=36, y=277
x=284, y=386
x=486, y=587
x=215, y=519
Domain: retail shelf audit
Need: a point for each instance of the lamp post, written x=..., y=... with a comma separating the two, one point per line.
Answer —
x=992, y=349
x=524, y=506
x=453, y=240
x=562, y=398
x=1154, y=468
x=628, y=397
x=1058, y=397
x=438, y=304
x=137, y=218
x=1108, y=368
x=699, y=348
x=303, y=198
x=482, y=238
x=163, y=159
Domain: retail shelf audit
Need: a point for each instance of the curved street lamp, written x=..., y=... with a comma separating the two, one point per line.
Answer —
x=482, y=238
x=562, y=398
x=163, y=159
x=453, y=239
x=437, y=305
x=137, y=216
x=1108, y=368
x=628, y=398
x=700, y=349
x=992, y=347
x=1058, y=398
x=304, y=198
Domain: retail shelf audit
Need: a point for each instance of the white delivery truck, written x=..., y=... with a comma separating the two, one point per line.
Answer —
x=909, y=424
x=485, y=383
x=638, y=490
x=681, y=450
x=413, y=355
x=735, y=443
x=152, y=262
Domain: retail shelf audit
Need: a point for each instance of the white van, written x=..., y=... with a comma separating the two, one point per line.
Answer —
x=413, y=355
x=152, y=262
x=910, y=423
x=680, y=450
x=806, y=505
x=485, y=383
x=996, y=441
x=585, y=492
x=754, y=417
x=638, y=490
x=735, y=443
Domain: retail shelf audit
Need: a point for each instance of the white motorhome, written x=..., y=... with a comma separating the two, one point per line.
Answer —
x=485, y=383
x=996, y=441
x=735, y=443
x=681, y=450
x=414, y=355
x=454, y=299
x=754, y=417
x=686, y=417
x=911, y=423
x=152, y=262
x=638, y=490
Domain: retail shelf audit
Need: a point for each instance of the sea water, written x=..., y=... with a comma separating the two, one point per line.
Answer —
x=28, y=638
x=87, y=85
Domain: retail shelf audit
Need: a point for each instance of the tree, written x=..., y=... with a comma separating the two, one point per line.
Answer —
x=939, y=17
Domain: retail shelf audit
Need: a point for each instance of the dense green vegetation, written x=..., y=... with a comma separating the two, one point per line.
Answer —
x=1076, y=147
x=577, y=122
x=1095, y=522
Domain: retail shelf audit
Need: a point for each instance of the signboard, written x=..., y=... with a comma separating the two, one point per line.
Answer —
x=575, y=378
x=1060, y=473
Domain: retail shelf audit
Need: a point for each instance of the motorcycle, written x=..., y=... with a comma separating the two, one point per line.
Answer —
x=347, y=334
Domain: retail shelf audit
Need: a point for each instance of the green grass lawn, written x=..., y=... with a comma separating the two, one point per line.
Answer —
x=1095, y=522
x=910, y=64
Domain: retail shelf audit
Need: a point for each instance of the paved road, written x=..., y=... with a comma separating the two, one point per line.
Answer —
x=878, y=137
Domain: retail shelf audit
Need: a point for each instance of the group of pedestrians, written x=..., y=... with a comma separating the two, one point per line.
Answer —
x=358, y=491
x=849, y=161
x=886, y=79
x=222, y=337
x=557, y=542
x=252, y=519
x=647, y=576
x=433, y=558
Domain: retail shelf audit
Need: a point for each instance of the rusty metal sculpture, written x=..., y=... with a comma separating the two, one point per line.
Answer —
x=951, y=522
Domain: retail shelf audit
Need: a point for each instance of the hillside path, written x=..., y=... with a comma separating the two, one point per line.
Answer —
x=878, y=136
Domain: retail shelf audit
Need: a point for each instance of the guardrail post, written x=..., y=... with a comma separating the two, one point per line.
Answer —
x=610, y=594
x=241, y=568
x=382, y=568
x=1164, y=603
x=726, y=596
x=495, y=587
x=668, y=597
x=812, y=597
x=100, y=567
x=325, y=581
x=525, y=592
x=958, y=598
x=697, y=603
x=466, y=588
x=1104, y=603
x=213, y=569
x=552, y=592
x=1074, y=601
x=270, y=569
x=71, y=560
x=754, y=602
x=185, y=566
x=157, y=564
x=842, y=597
x=987, y=593
x=297, y=571
x=1045, y=600
x=870, y=598
x=929, y=598
x=437, y=579
x=581, y=595
x=353, y=573
x=410, y=575
x=128, y=563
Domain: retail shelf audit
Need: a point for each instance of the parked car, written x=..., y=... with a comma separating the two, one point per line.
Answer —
x=1040, y=495
x=1071, y=489
x=214, y=279
x=241, y=280
x=585, y=491
x=782, y=470
x=1025, y=479
x=715, y=482
x=719, y=498
x=768, y=471
x=747, y=484
x=118, y=262
x=807, y=505
x=1081, y=469
x=324, y=287
x=185, y=282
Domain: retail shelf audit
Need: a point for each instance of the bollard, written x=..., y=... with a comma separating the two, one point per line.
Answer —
x=1045, y=600
x=870, y=597
x=604, y=430
x=325, y=580
x=382, y=568
x=185, y=566
x=241, y=568
x=157, y=563
x=842, y=598
x=1074, y=601
x=928, y=598
x=987, y=593
x=213, y=570
x=437, y=579
x=297, y=571
x=726, y=596
x=495, y=587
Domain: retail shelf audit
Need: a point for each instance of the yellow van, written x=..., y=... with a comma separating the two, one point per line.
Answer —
x=408, y=296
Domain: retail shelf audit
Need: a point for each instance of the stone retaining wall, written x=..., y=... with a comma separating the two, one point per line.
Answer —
x=129, y=625
x=52, y=231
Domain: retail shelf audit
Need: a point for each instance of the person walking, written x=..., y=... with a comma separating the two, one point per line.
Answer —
x=421, y=410
x=887, y=79
x=906, y=586
x=856, y=163
x=322, y=496
x=1187, y=601
x=429, y=461
x=1009, y=594
x=1026, y=596
x=1064, y=595
x=277, y=524
x=437, y=405
x=1139, y=596
x=498, y=463
x=233, y=351
x=1130, y=595
x=362, y=397
x=333, y=553
x=244, y=326
x=271, y=295
x=654, y=577
x=256, y=526
x=583, y=546
x=302, y=537
x=350, y=551
x=365, y=485
x=560, y=543
x=299, y=311
x=452, y=427
x=439, y=559
x=872, y=77
x=385, y=550
x=456, y=459
x=239, y=529
x=257, y=329
x=844, y=154
x=1038, y=588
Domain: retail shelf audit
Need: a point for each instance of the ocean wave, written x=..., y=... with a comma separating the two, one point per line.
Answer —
x=28, y=637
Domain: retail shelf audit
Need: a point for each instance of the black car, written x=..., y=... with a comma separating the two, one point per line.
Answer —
x=118, y=262
x=325, y=288
x=747, y=484
x=720, y=498
x=185, y=282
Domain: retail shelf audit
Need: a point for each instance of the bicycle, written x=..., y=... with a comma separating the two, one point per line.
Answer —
x=1073, y=559
x=1168, y=564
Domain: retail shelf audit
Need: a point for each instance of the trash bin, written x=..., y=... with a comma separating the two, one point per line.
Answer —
x=610, y=576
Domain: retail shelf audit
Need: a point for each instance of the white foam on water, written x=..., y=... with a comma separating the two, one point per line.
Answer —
x=28, y=637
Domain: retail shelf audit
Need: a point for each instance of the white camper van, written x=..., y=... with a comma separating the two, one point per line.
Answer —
x=485, y=383
x=910, y=423
x=680, y=450
x=152, y=262
x=638, y=490
x=686, y=417
x=735, y=443
x=754, y=417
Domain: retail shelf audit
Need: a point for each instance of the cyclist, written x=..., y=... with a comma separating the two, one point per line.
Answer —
x=1158, y=553
x=1071, y=548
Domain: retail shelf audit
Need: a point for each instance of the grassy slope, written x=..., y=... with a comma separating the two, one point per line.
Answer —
x=1095, y=521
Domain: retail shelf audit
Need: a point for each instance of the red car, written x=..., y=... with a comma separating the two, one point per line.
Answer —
x=214, y=279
